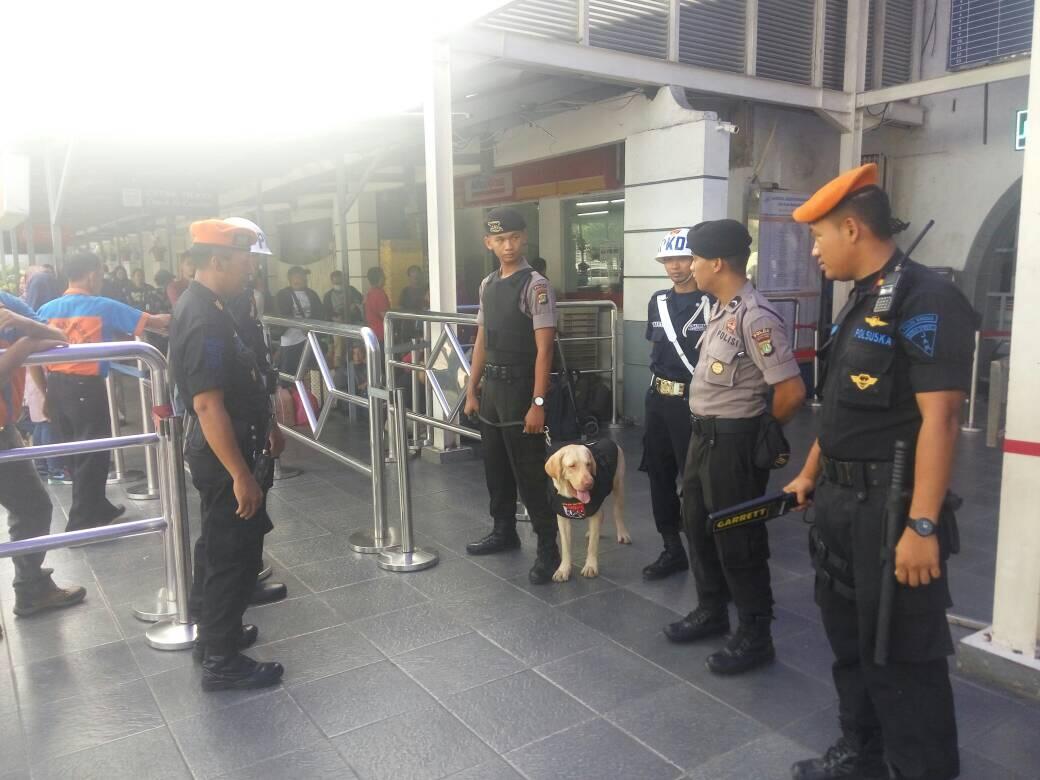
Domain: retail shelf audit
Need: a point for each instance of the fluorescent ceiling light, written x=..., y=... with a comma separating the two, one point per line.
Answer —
x=593, y=203
x=593, y=213
x=619, y=200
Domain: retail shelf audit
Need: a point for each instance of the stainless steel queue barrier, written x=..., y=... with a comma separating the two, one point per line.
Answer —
x=149, y=489
x=381, y=536
x=178, y=632
x=119, y=473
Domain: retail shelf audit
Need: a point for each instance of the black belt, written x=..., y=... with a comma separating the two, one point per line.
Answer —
x=671, y=388
x=709, y=426
x=508, y=372
x=858, y=474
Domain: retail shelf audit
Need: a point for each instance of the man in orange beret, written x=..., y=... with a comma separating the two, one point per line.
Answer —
x=897, y=367
x=220, y=382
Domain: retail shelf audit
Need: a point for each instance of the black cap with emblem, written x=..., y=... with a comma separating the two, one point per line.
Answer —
x=720, y=238
x=503, y=220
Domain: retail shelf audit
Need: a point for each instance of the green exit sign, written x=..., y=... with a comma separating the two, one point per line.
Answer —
x=1020, y=129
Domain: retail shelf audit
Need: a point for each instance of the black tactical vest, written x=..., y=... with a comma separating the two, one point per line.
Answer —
x=508, y=332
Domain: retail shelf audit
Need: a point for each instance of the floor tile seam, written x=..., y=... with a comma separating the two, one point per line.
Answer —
x=1014, y=773
x=50, y=757
x=82, y=694
x=595, y=716
x=380, y=576
x=303, y=538
x=469, y=630
x=460, y=690
x=305, y=633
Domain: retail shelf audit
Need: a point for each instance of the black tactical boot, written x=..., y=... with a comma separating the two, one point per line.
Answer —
x=502, y=538
x=238, y=672
x=247, y=639
x=671, y=561
x=846, y=759
x=266, y=592
x=547, y=562
x=699, y=624
x=751, y=646
x=45, y=595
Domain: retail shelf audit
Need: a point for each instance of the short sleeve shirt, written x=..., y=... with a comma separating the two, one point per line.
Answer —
x=91, y=319
x=206, y=353
x=538, y=301
x=744, y=350
x=875, y=364
x=12, y=391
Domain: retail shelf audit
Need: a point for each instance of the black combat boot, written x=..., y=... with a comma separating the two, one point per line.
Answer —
x=266, y=592
x=671, y=561
x=247, y=639
x=751, y=646
x=547, y=562
x=44, y=595
x=699, y=624
x=502, y=538
x=847, y=759
x=238, y=672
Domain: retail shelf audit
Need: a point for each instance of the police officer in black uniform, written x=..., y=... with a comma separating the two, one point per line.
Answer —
x=897, y=367
x=675, y=320
x=230, y=426
x=513, y=355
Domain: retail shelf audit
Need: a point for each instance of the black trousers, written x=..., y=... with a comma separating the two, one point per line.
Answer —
x=513, y=460
x=79, y=407
x=227, y=552
x=735, y=564
x=28, y=507
x=664, y=456
x=907, y=703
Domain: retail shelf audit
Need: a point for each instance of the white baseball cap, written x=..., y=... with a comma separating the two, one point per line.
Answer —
x=260, y=247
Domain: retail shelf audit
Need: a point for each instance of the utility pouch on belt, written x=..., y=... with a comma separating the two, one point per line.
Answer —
x=771, y=449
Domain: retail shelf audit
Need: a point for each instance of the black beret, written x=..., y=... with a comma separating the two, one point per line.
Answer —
x=503, y=220
x=719, y=238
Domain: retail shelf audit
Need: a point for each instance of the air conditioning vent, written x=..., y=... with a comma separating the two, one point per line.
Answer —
x=544, y=18
x=711, y=33
x=635, y=26
x=785, y=39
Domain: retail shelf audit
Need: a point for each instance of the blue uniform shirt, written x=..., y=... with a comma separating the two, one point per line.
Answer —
x=689, y=313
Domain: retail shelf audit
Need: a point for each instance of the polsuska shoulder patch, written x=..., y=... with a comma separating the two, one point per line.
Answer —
x=921, y=331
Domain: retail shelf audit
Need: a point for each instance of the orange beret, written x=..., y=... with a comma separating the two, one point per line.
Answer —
x=217, y=232
x=831, y=194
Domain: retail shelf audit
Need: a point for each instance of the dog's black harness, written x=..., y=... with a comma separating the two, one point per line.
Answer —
x=605, y=453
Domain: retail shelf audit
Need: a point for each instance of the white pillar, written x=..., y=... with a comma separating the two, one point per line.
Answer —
x=1016, y=602
x=362, y=240
x=440, y=181
x=675, y=176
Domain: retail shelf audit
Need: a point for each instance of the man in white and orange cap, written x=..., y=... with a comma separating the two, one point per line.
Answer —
x=897, y=367
x=221, y=384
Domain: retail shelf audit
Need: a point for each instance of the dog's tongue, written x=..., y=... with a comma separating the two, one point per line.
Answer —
x=583, y=496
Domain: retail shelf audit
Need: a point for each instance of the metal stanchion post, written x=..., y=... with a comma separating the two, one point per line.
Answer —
x=971, y=427
x=149, y=490
x=427, y=347
x=615, y=395
x=118, y=475
x=416, y=443
x=178, y=633
x=380, y=536
x=391, y=385
x=407, y=557
x=815, y=399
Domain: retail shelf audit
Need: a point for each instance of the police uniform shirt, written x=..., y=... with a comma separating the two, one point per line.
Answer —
x=689, y=314
x=538, y=301
x=206, y=353
x=875, y=364
x=744, y=350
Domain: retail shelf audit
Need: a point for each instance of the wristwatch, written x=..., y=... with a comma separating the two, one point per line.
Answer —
x=538, y=401
x=922, y=526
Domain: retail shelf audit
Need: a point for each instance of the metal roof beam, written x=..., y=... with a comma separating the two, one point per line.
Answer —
x=621, y=67
x=966, y=78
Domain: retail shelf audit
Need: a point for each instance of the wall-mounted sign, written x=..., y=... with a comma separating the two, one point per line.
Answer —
x=486, y=188
x=1020, y=129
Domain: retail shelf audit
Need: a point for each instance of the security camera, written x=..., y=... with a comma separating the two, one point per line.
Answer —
x=727, y=127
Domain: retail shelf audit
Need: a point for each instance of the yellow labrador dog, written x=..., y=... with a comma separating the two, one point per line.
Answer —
x=583, y=476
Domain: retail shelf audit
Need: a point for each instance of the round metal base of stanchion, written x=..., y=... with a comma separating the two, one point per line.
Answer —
x=133, y=475
x=418, y=559
x=966, y=429
x=159, y=607
x=141, y=493
x=171, y=635
x=616, y=426
x=285, y=472
x=265, y=572
x=363, y=541
x=815, y=404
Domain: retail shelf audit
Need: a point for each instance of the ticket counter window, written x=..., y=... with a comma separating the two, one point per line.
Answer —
x=594, y=239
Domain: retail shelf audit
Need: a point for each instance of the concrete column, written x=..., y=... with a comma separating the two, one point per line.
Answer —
x=1016, y=607
x=362, y=239
x=675, y=176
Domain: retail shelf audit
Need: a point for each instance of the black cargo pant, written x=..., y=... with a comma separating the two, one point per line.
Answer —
x=79, y=407
x=908, y=703
x=227, y=552
x=28, y=507
x=667, y=424
x=513, y=460
x=720, y=472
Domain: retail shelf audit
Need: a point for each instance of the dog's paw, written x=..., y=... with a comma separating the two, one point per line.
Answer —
x=562, y=574
x=624, y=539
x=590, y=569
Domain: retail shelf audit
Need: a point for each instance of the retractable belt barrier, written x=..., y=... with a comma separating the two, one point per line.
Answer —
x=177, y=632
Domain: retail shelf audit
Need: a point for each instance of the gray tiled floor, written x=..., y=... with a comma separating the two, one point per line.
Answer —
x=462, y=671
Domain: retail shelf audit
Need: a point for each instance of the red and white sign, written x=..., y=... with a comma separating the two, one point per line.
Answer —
x=486, y=188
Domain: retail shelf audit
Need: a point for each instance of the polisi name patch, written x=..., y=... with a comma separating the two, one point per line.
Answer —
x=873, y=337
